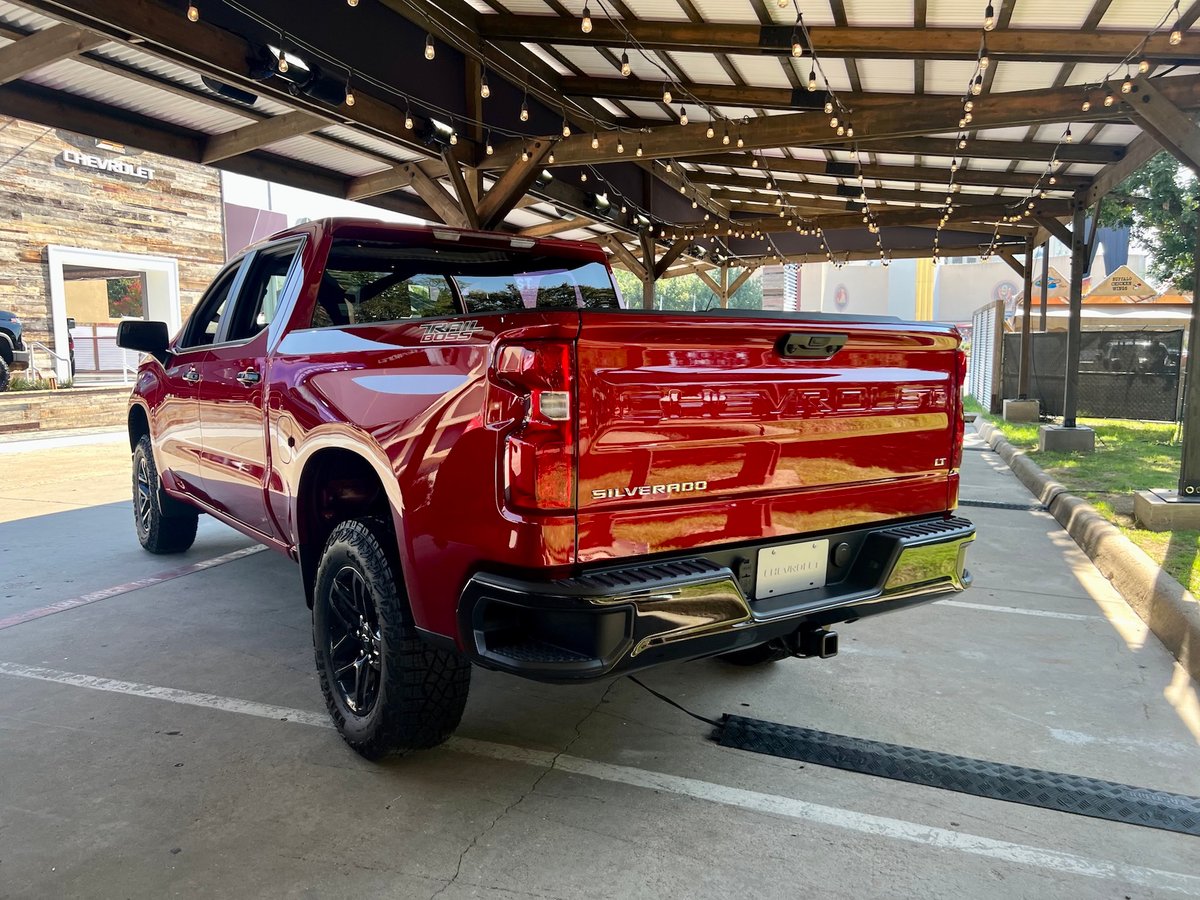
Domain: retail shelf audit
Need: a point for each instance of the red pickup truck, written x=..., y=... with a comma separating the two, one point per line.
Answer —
x=477, y=455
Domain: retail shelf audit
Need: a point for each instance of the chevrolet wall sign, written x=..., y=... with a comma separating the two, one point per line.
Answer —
x=102, y=164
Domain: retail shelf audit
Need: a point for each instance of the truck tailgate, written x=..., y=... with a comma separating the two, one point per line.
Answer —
x=710, y=429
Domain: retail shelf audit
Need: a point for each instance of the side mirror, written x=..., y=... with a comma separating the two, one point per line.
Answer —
x=145, y=337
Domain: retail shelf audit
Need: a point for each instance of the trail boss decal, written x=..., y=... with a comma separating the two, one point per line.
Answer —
x=446, y=332
x=645, y=490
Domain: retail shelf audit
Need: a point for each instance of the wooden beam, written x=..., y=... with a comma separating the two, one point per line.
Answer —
x=830, y=169
x=1013, y=263
x=512, y=185
x=260, y=134
x=1025, y=151
x=465, y=201
x=1158, y=116
x=548, y=229
x=621, y=252
x=669, y=256
x=1048, y=44
x=1141, y=150
x=895, y=120
x=740, y=280
x=43, y=48
x=1056, y=228
x=710, y=283
x=440, y=200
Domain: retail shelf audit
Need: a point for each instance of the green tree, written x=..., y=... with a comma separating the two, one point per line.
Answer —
x=1159, y=204
x=688, y=293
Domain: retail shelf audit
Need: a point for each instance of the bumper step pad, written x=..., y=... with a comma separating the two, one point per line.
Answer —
x=1073, y=794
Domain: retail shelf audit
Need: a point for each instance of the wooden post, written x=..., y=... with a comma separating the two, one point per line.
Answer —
x=725, y=286
x=1026, y=317
x=1189, y=464
x=1075, y=324
x=1045, y=281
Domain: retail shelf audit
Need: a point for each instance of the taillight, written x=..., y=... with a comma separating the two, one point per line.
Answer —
x=959, y=425
x=539, y=453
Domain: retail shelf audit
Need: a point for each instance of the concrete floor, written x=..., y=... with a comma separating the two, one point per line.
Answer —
x=171, y=740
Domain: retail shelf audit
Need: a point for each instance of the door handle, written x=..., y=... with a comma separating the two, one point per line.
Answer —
x=249, y=377
x=191, y=376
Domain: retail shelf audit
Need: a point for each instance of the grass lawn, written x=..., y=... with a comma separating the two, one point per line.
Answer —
x=1129, y=456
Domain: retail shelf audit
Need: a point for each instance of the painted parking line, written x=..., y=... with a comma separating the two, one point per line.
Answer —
x=755, y=801
x=149, y=581
x=1020, y=611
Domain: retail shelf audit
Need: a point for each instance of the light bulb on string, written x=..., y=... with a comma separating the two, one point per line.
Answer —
x=667, y=98
x=1086, y=105
x=595, y=141
x=1144, y=66
x=710, y=132
x=586, y=22
x=485, y=90
x=683, y=116
x=454, y=138
x=524, y=154
x=430, y=49
x=620, y=145
x=626, y=69
x=812, y=80
x=350, y=98
x=1127, y=84
x=989, y=18
x=828, y=107
x=281, y=63
x=193, y=12
x=566, y=129
x=408, y=119
x=1109, y=97
x=977, y=86
x=639, y=150
x=524, y=111
x=487, y=147
x=550, y=158
x=797, y=47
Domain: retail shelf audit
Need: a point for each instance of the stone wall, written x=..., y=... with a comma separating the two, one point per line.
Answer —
x=46, y=199
x=33, y=411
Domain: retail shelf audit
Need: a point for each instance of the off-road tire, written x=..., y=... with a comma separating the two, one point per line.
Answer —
x=172, y=531
x=761, y=654
x=421, y=690
x=5, y=376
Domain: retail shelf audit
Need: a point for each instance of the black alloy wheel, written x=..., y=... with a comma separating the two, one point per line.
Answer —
x=355, y=642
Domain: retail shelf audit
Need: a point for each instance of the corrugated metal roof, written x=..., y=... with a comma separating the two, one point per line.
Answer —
x=877, y=13
x=326, y=155
x=895, y=75
x=761, y=71
x=76, y=78
x=1024, y=76
x=24, y=19
x=1059, y=14
x=731, y=11
x=958, y=13
x=662, y=10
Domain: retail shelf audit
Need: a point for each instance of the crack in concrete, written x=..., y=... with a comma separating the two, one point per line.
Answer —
x=533, y=787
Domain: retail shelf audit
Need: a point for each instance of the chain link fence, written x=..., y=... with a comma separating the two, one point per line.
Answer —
x=1122, y=374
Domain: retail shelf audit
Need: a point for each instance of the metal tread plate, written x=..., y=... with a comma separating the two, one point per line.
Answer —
x=1075, y=794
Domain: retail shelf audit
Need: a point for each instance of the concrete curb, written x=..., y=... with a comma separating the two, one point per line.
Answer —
x=1169, y=609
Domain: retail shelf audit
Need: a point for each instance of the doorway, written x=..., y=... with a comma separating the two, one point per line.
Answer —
x=91, y=291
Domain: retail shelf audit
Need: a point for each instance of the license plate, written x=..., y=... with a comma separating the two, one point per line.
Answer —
x=792, y=567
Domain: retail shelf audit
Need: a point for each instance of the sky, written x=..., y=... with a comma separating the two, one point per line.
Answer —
x=297, y=204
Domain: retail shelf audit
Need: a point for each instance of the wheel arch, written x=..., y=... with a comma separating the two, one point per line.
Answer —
x=338, y=483
x=138, y=423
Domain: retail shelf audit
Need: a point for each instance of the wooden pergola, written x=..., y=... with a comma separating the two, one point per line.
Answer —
x=683, y=136
x=955, y=138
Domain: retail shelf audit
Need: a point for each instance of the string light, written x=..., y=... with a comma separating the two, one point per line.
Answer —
x=1086, y=105
x=430, y=50
x=488, y=148
x=586, y=23
x=683, y=118
x=524, y=111
x=350, y=99
x=626, y=69
x=1127, y=84
x=812, y=79
x=485, y=90
x=667, y=98
x=710, y=133
x=454, y=137
x=566, y=129
x=352, y=3
x=620, y=145
x=282, y=63
x=977, y=86
x=828, y=107
x=1176, y=37
x=595, y=141
x=193, y=12
x=1144, y=66
x=639, y=150
x=797, y=47
x=408, y=119
x=989, y=18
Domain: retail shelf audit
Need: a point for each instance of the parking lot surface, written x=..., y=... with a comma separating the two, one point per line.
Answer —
x=162, y=733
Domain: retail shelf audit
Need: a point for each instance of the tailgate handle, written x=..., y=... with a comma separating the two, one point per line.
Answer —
x=811, y=346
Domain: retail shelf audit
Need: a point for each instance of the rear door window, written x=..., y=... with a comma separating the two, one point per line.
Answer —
x=262, y=291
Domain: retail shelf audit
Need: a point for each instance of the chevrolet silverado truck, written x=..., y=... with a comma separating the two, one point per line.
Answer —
x=478, y=456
